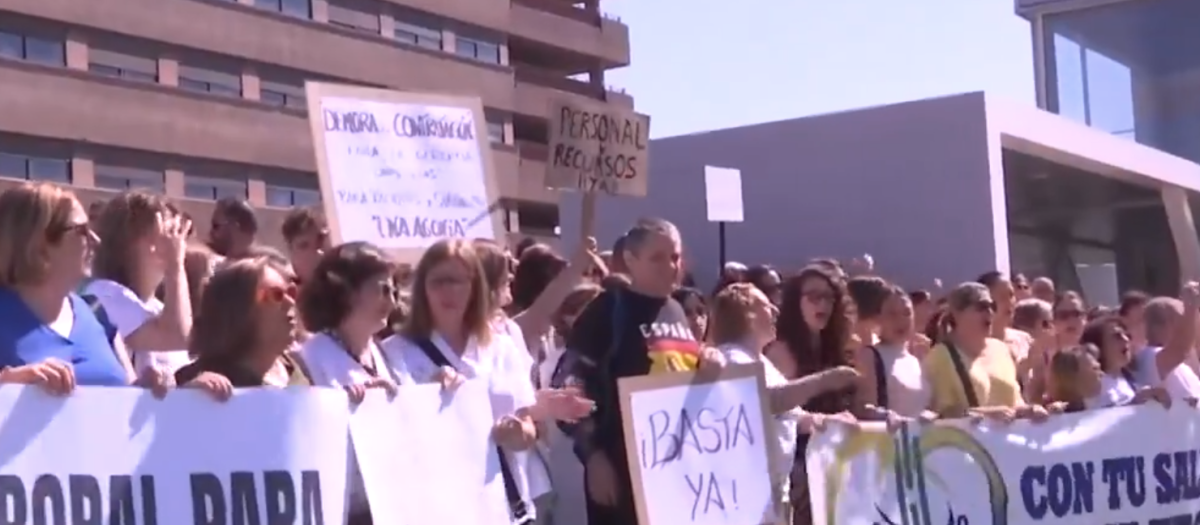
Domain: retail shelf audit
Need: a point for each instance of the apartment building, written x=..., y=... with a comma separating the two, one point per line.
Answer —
x=200, y=99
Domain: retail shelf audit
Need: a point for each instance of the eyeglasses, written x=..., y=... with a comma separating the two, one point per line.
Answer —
x=447, y=281
x=81, y=229
x=818, y=296
x=984, y=306
x=276, y=294
x=1067, y=315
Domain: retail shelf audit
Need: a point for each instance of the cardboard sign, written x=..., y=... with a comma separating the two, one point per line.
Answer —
x=723, y=194
x=403, y=170
x=699, y=451
x=598, y=149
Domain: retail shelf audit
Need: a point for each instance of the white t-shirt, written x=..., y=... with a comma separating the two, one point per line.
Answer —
x=330, y=365
x=507, y=365
x=127, y=312
x=784, y=449
x=1114, y=391
x=1180, y=383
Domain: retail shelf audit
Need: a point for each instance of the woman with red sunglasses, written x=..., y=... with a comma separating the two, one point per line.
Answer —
x=245, y=323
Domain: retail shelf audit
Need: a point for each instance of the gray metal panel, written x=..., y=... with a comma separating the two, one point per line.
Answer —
x=907, y=182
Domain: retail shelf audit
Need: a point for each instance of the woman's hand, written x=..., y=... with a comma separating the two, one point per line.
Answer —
x=562, y=404
x=1038, y=413
x=358, y=392
x=712, y=361
x=1004, y=415
x=172, y=232
x=217, y=385
x=158, y=381
x=1155, y=393
x=514, y=433
x=449, y=378
x=56, y=377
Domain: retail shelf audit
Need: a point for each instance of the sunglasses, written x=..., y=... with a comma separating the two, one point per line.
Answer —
x=984, y=306
x=818, y=296
x=81, y=229
x=276, y=294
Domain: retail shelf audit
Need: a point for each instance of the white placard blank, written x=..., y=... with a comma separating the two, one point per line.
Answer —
x=723, y=194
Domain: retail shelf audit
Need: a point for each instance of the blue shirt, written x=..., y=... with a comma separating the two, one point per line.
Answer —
x=25, y=339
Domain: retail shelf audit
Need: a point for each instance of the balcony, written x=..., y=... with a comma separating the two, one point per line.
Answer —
x=536, y=88
x=572, y=29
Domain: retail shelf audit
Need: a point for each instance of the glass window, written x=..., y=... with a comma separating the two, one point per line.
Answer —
x=43, y=51
x=53, y=170
x=282, y=94
x=12, y=166
x=296, y=8
x=477, y=50
x=353, y=16
x=11, y=45
x=417, y=35
x=496, y=131
x=121, y=65
x=108, y=71
x=210, y=81
x=126, y=178
x=1068, y=68
x=1110, y=93
x=207, y=188
x=286, y=197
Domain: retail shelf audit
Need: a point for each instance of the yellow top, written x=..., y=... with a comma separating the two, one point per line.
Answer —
x=993, y=375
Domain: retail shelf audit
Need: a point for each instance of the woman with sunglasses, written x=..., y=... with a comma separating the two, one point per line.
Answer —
x=971, y=373
x=50, y=336
x=244, y=325
x=1070, y=315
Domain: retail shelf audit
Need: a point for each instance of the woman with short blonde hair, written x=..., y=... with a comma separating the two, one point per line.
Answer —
x=50, y=335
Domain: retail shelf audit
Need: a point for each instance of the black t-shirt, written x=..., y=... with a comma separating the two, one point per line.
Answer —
x=654, y=338
x=238, y=375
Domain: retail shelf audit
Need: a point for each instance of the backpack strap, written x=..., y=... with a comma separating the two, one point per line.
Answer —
x=516, y=506
x=301, y=367
x=961, y=370
x=881, y=379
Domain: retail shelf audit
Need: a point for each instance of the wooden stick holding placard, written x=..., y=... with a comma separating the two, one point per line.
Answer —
x=587, y=217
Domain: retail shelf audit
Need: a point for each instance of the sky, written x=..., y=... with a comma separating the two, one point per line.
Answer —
x=708, y=64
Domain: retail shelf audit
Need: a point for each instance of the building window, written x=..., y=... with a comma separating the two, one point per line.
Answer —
x=354, y=15
x=282, y=95
x=286, y=197
x=121, y=178
x=30, y=167
x=33, y=49
x=121, y=65
x=417, y=35
x=296, y=8
x=495, y=131
x=211, y=188
x=475, y=49
x=204, y=80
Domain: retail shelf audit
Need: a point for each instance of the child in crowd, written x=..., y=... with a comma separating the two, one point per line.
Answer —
x=1076, y=381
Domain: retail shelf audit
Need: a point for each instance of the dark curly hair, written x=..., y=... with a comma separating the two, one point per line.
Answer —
x=538, y=266
x=831, y=350
x=325, y=299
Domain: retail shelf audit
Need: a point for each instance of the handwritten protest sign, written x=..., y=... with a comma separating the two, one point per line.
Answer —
x=120, y=456
x=1095, y=467
x=459, y=481
x=699, y=450
x=598, y=149
x=402, y=170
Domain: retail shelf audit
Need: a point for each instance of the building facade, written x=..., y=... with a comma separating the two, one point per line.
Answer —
x=201, y=99
x=1127, y=67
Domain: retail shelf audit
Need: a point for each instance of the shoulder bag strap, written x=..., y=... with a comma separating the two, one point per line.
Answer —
x=881, y=379
x=516, y=505
x=301, y=366
x=961, y=370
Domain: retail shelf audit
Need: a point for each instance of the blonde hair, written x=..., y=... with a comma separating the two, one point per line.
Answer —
x=35, y=216
x=225, y=326
x=1066, y=371
x=729, y=315
x=477, y=318
x=125, y=219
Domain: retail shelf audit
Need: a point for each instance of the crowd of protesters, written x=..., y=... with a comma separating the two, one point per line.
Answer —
x=124, y=294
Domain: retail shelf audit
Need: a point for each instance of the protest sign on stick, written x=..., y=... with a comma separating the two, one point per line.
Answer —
x=120, y=456
x=596, y=148
x=403, y=170
x=427, y=456
x=699, y=449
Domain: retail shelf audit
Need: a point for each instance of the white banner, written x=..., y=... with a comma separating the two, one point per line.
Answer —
x=120, y=456
x=1116, y=466
x=428, y=458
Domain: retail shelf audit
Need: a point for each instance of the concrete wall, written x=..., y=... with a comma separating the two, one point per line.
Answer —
x=908, y=183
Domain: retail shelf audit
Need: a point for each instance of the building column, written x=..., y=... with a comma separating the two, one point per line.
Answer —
x=168, y=70
x=246, y=2
x=596, y=78
x=320, y=10
x=83, y=170
x=508, y=132
x=387, y=25
x=504, y=54
x=251, y=84
x=449, y=42
x=173, y=180
x=1183, y=232
x=256, y=191
x=512, y=219
x=77, y=50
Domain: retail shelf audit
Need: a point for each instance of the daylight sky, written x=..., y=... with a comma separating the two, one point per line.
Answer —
x=709, y=64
